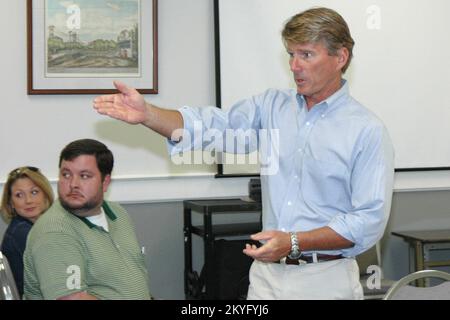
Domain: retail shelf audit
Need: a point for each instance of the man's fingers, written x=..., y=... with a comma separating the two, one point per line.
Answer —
x=263, y=235
x=104, y=108
x=102, y=104
x=109, y=98
x=251, y=247
x=110, y=109
x=122, y=87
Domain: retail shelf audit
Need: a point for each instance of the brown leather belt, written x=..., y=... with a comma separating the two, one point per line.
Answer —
x=309, y=259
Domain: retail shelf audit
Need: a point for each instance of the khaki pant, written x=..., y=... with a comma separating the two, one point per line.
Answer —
x=336, y=279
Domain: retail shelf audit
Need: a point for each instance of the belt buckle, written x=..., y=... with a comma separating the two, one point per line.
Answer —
x=300, y=261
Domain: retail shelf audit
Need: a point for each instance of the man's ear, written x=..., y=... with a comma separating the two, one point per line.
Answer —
x=106, y=183
x=342, y=55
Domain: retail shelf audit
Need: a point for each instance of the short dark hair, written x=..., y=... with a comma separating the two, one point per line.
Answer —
x=103, y=156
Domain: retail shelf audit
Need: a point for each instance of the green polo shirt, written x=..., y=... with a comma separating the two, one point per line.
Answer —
x=66, y=254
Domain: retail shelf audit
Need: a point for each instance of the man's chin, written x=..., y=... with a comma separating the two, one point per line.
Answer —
x=78, y=209
x=302, y=91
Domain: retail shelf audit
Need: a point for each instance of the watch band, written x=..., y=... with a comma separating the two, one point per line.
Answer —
x=295, y=248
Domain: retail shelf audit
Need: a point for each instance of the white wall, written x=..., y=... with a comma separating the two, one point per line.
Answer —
x=392, y=72
x=34, y=129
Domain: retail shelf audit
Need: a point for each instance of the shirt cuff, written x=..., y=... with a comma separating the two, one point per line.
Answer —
x=341, y=227
x=174, y=147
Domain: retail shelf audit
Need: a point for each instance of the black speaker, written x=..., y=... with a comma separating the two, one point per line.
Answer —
x=231, y=270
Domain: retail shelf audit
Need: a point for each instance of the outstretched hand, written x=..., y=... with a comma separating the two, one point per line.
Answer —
x=128, y=105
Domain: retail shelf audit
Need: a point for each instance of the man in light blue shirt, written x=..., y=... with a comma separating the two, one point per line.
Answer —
x=328, y=196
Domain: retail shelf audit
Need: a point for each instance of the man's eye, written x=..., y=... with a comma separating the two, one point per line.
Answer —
x=85, y=176
x=307, y=54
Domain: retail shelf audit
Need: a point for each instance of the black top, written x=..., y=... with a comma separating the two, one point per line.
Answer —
x=13, y=247
x=223, y=205
x=425, y=236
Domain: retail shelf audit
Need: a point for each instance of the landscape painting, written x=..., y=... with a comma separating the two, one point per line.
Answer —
x=92, y=38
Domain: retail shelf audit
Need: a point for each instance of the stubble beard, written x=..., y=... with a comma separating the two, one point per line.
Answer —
x=81, y=210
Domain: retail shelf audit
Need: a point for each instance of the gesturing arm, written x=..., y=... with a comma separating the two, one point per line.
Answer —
x=130, y=106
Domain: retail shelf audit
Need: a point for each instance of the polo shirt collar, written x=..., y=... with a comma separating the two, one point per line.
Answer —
x=108, y=212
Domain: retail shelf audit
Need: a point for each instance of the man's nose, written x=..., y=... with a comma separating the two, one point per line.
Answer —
x=295, y=64
x=74, y=182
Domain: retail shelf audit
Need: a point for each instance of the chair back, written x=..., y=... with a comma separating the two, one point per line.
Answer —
x=401, y=290
x=8, y=288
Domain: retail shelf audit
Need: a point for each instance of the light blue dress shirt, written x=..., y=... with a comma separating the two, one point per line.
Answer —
x=336, y=162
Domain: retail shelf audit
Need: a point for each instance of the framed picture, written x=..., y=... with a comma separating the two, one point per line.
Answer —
x=81, y=46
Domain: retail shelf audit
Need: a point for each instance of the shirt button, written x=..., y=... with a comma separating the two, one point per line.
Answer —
x=283, y=229
x=289, y=203
x=323, y=116
x=308, y=123
x=295, y=177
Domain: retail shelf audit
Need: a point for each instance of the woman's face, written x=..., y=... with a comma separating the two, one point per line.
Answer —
x=28, y=199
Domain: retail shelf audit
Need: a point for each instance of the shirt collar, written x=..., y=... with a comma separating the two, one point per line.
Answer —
x=329, y=102
x=342, y=92
x=108, y=212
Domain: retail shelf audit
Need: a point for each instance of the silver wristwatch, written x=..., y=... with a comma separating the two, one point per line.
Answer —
x=295, y=249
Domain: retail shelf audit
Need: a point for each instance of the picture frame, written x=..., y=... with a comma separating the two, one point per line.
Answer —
x=82, y=46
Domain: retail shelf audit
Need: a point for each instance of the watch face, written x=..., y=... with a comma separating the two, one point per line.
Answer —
x=295, y=255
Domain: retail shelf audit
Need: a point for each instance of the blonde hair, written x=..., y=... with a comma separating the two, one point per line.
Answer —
x=34, y=175
x=320, y=25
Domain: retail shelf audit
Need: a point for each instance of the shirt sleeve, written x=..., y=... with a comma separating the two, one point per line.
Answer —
x=371, y=193
x=59, y=265
x=13, y=247
x=211, y=128
x=19, y=241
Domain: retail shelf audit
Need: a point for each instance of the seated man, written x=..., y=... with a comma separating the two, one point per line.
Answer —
x=84, y=247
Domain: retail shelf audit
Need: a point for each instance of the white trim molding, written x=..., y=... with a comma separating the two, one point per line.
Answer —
x=175, y=188
x=147, y=189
